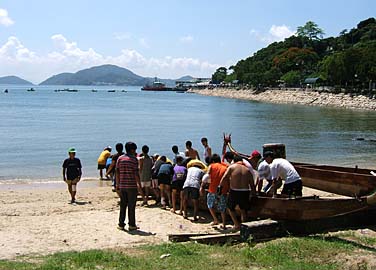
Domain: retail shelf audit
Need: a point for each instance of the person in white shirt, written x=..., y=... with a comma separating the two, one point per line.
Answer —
x=191, y=190
x=264, y=173
x=281, y=168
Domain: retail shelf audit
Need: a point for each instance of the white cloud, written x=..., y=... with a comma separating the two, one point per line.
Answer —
x=276, y=33
x=4, y=18
x=67, y=56
x=186, y=39
x=143, y=42
x=122, y=36
x=280, y=32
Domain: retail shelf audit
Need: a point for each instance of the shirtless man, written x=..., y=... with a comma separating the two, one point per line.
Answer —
x=207, y=150
x=241, y=184
x=191, y=152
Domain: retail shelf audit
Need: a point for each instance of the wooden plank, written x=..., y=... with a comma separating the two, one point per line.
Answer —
x=184, y=237
x=217, y=238
x=261, y=229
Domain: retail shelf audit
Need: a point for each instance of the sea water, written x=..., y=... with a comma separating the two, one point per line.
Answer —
x=37, y=128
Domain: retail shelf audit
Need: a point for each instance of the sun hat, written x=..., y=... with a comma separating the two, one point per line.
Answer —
x=255, y=153
x=71, y=150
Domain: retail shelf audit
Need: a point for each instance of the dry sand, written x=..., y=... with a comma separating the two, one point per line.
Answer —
x=41, y=221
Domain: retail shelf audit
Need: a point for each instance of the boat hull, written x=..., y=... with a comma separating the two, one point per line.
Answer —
x=339, y=180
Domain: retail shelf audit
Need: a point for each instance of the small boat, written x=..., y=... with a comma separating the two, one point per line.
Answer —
x=306, y=208
x=339, y=180
x=124, y=91
x=31, y=90
x=94, y=91
x=156, y=86
x=111, y=91
x=6, y=91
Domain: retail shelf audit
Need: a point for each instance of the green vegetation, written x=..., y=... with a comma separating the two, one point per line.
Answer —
x=347, y=61
x=287, y=253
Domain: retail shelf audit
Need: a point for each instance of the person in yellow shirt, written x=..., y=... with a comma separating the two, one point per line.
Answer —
x=103, y=159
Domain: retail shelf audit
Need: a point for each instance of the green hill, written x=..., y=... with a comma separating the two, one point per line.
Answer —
x=14, y=80
x=100, y=75
x=346, y=61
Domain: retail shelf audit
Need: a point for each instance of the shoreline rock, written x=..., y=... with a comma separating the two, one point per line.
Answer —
x=298, y=97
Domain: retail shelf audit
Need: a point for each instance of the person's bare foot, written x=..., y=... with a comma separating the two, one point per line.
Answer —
x=223, y=227
x=172, y=211
x=180, y=213
x=214, y=223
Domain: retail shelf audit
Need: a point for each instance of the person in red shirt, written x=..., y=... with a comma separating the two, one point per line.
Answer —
x=127, y=184
x=216, y=171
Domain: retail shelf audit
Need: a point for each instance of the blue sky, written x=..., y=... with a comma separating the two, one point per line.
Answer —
x=167, y=38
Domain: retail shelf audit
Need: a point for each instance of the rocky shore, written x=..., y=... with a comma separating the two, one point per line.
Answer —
x=294, y=96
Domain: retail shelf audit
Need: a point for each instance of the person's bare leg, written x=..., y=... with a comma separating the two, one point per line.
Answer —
x=214, y=215
x=146, y=195
x=173, y=201
x=185, y=203
x=243, y=215
x=195, y=210
x=181, y=202
x=168, y=191
x=223, y=215
x=101, y=174
x=234, y=219
x=70, y=190
x=163, y=198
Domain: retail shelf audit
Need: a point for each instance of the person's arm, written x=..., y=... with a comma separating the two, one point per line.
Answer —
x=112, y=166
x=197, y=155
x=252, y=184
x=141, y=165
x=186, y=153
x=79, y=173
x=64, y=174
x=204, y=182
x=226, y=177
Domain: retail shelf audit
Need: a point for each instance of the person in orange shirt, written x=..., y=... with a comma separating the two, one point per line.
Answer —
x=216, y=171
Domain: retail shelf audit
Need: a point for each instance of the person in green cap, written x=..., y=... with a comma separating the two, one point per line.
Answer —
x=72, y=172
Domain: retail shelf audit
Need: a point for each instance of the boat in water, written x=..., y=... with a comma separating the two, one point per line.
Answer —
x=156, y=86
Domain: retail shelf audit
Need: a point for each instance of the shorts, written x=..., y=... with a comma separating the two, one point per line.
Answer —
x=101, y=166
x=178, y=185
x=191, y=193
x=164, y=179
x=145, y=184
x=293, y=189
x=72, y=182
x=240, y=198
x=220, y=200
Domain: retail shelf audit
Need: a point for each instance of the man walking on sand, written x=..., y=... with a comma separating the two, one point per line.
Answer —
x=72, y=173
x=128, y=183
x=241, y=183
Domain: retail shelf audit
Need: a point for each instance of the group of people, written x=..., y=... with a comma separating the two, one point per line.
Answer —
x=227, y=181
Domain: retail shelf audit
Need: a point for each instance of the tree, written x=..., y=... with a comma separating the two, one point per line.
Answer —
x=219, y=75
x=292, y=78
x=311, y=31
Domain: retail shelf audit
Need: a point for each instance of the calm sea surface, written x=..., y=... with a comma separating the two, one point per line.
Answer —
x=36, y=128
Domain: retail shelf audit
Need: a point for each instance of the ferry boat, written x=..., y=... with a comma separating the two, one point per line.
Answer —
x=156, y=86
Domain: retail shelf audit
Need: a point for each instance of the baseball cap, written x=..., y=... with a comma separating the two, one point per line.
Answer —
x=255, y=153
x=108, y=147
x=71, y=150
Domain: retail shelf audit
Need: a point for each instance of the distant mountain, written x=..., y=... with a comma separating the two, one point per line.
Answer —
x=100, y=75
x=13, y=80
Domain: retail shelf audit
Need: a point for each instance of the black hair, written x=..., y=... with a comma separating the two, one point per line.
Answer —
x=229, y=155
x=163, y=158
x=119, y=147
x=145, y=149
x=188, y=143
x=208, y=160
x=179, y=159
x=238, y=158
x=175, y=149
x=268, y=154
x=204, y=139
x=215, y=158
x=129, y=146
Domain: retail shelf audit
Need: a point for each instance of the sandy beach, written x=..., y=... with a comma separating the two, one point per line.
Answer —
x=39, y=221
x=295, y=96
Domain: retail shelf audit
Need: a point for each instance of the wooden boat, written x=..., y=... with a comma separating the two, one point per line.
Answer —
x=306, y=208
x=353, y=182
x=339, y=180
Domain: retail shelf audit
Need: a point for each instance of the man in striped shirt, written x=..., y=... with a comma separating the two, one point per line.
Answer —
x=127, y=184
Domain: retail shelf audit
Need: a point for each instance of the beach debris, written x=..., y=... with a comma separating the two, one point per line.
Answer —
x=165, y=256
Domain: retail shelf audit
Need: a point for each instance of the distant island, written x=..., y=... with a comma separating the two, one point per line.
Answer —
x=14, y=80
x=105, y=75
